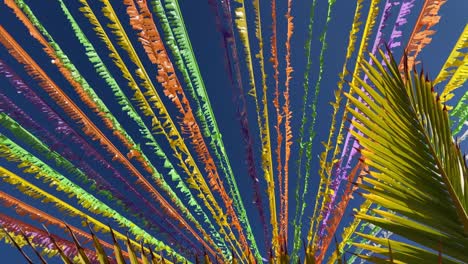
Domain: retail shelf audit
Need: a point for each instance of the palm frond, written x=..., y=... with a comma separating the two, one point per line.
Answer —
x=418, y=174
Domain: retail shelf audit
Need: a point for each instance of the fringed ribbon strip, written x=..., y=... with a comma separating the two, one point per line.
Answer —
x=88, y=96
x=40, y=239
x=421, y=35
x=102, y=70
x=177, y=39
x=23, y=208
x=266, y=159
x=234, y=74
x=141, y=20
x=37, y=193
x=14, y=153
x=284, y=197
x=88, y=127
x=166, y=125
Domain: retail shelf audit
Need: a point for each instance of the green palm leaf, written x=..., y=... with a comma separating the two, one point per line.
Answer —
x=418, y=173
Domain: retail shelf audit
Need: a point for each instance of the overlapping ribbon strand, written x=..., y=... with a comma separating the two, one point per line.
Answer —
x=105, y=188
x=267, y=162
x=421, y=35
x=329, y=193
x=262, y=116
x=284, y=197
x=279, y=117
x=141, y=20
x=242, y=28
x=102, y=70
x=347, y=155
x=460, y=112
x=156, y=124
x=32, y=165
x=230, y=47
x=348, y=231
x=68, y=70
x=458, y=79
x=63, y=129
x=170, y=84
x=455, y=59
x=166, y=127
x=109, y=192
x=357, y=227
x=40, y=239
x=324, y=165
x=174, y=29
x=311, y=131
x=34, y=192
x=405, y=10
x=297, y=222
x=88, y=127
x=90, y=98
x=339, y=210
x=23, y=208
x=325, y=182
x=79, y=83
x=91, y=177
x=456, y=68
x=393, y=42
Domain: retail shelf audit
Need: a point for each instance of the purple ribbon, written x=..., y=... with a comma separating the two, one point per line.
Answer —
x=238, y=96
x=341, y=171
x=62, y=128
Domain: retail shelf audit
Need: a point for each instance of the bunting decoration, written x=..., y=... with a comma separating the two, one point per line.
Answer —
x=164, y=131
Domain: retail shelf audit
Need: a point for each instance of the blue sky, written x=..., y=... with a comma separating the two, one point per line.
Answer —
x=206, y=42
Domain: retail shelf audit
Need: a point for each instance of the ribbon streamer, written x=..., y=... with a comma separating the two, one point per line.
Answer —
x=266, y=160
x=63, y=129
x=88, y=127
x=102, y=70
x=455, y=59
x=339, y=210
x=284, y=197
x=149, y=37
x=300, y=205
x=37, y=193
x=327, y=193
x=342, y=170
x=460, y=112
x=421, y=35
x=97, y=181
x=230, y=47
x=164, y=126
x=178, y=42
x=405, y=10
x=456, y=67
x=308, y=144
x=40, y=239
x=14, y=153
x=370, y=22
x=36, y=214
x=279, y=117
x=88, y=96
x=349, y=231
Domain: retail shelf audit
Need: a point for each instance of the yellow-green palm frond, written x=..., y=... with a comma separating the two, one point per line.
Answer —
x=417, y=173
